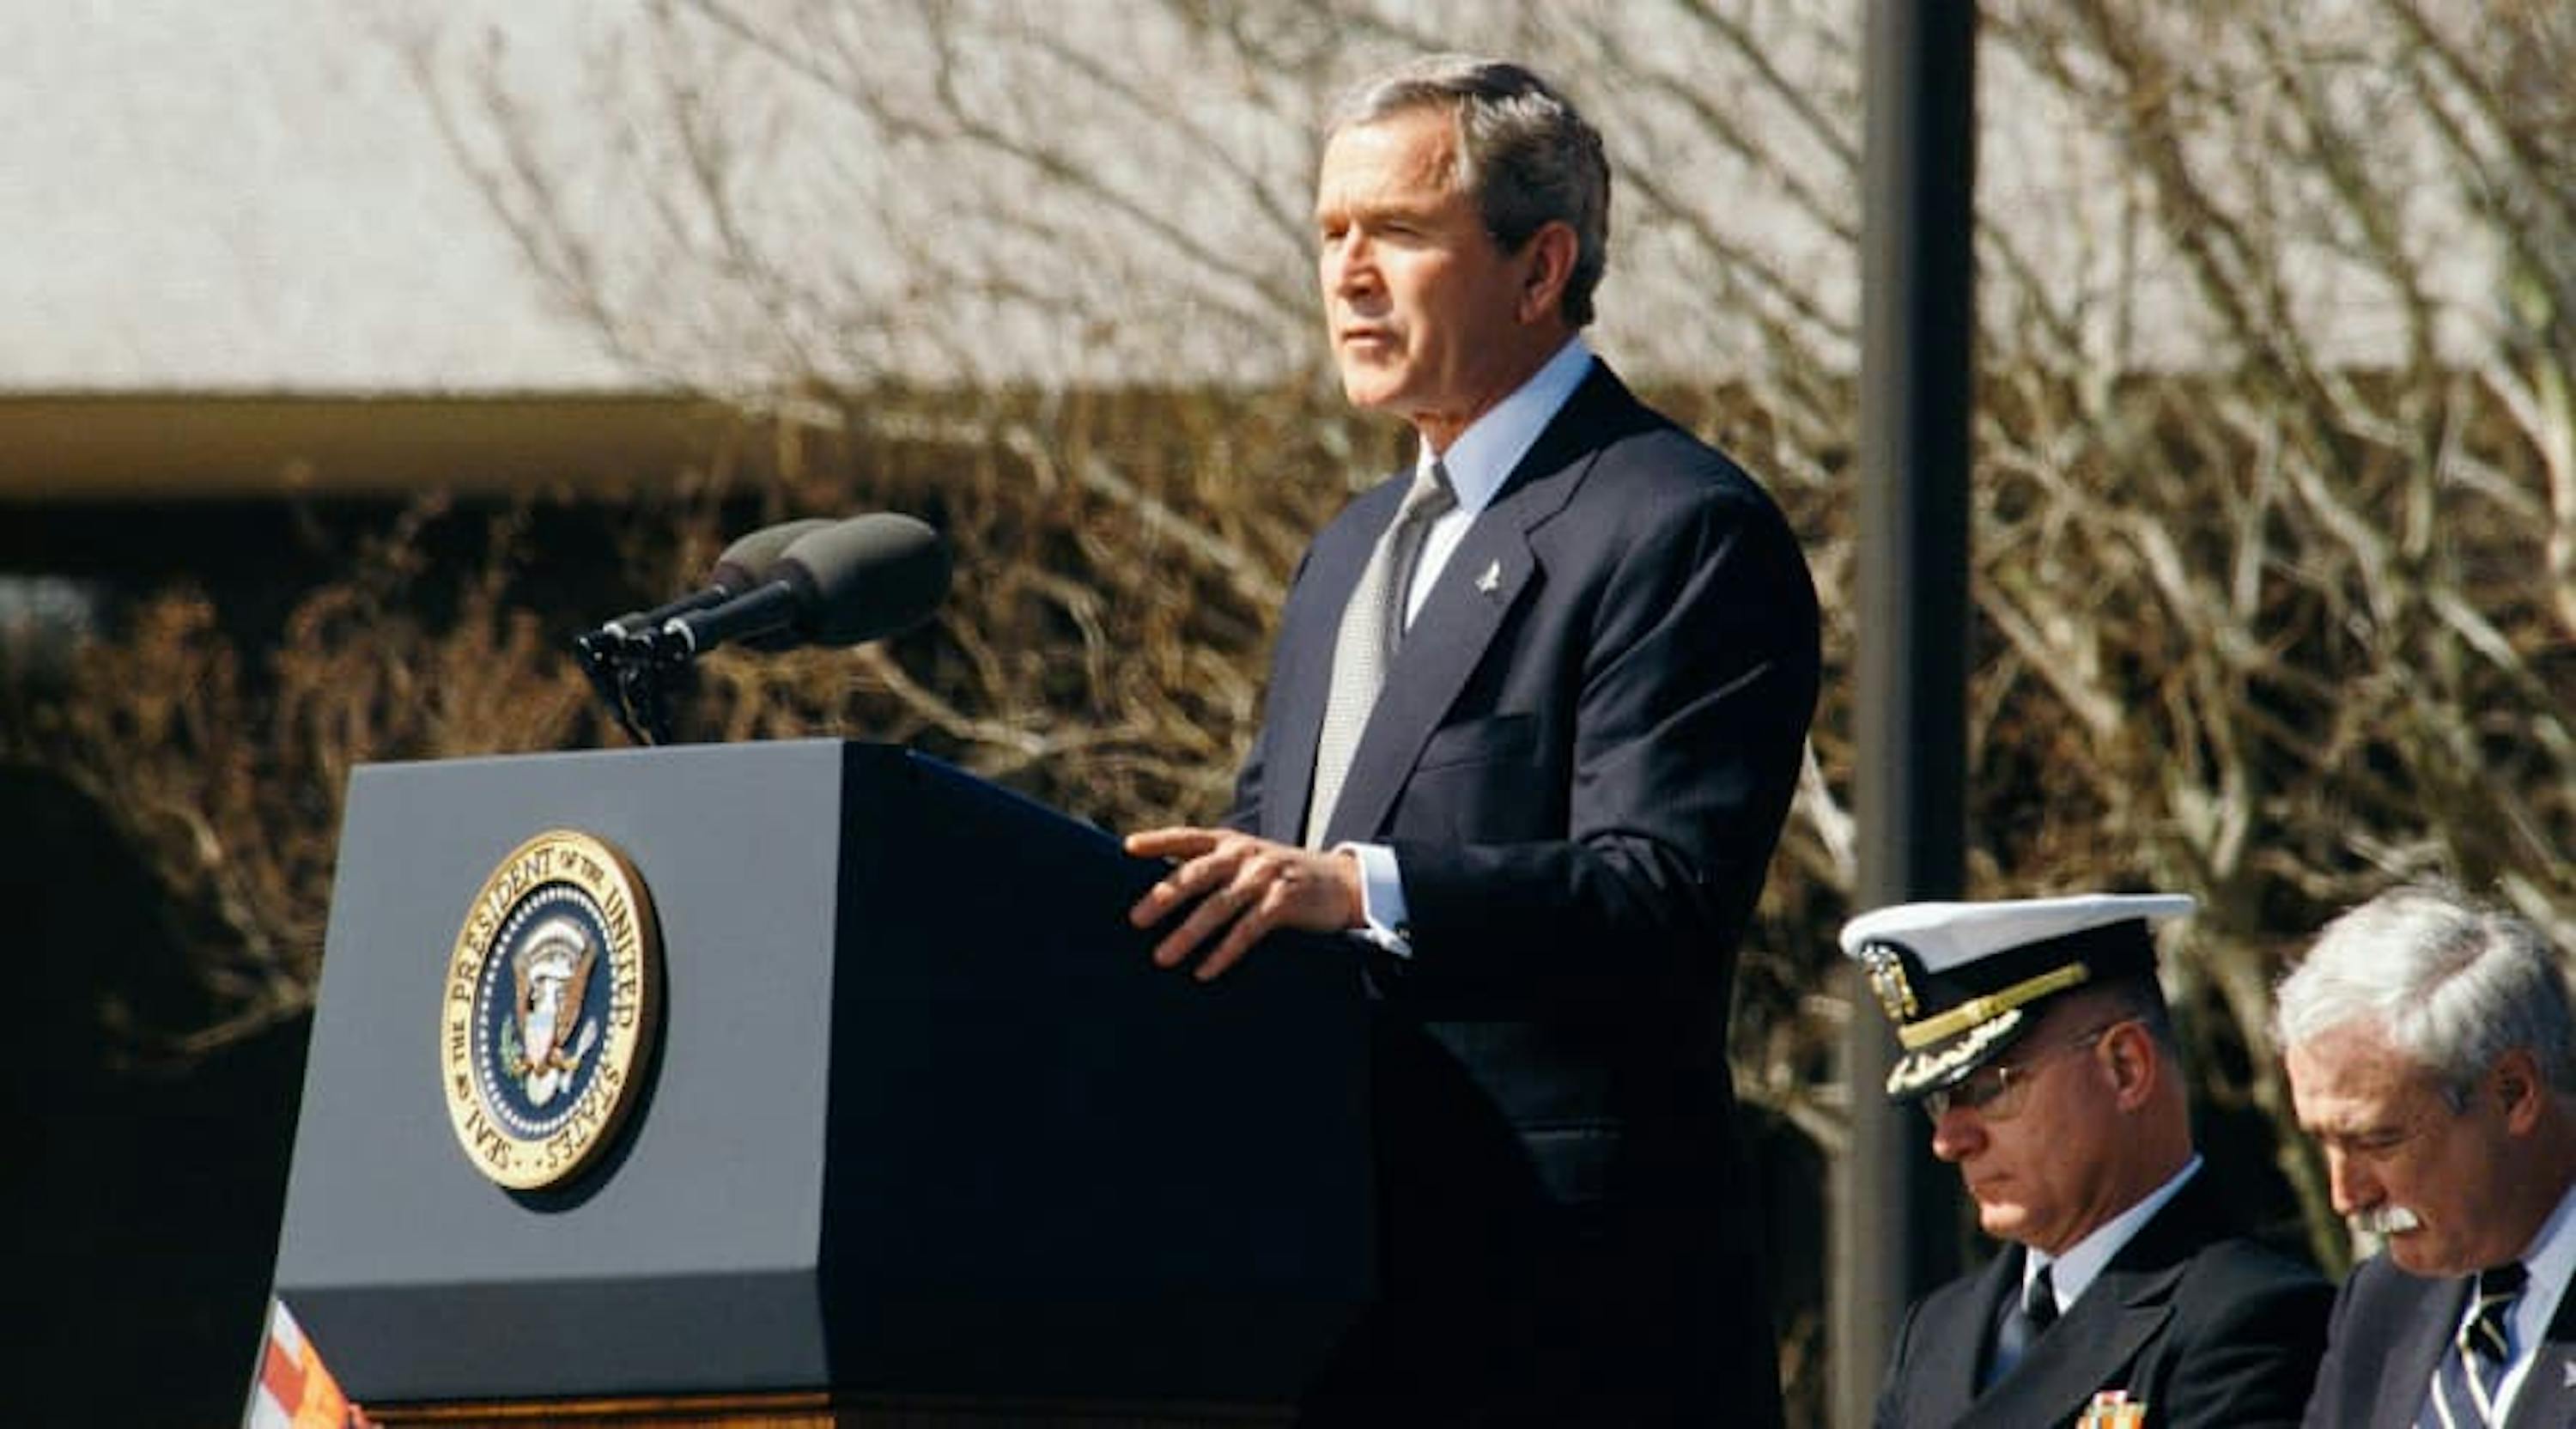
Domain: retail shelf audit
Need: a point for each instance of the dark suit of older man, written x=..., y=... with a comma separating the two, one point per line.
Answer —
x=2389, y=1333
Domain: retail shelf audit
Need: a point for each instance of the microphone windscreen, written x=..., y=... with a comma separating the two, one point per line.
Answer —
x=874, y=576
x=746, y=563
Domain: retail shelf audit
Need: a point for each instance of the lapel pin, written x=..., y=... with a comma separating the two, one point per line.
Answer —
x=1492, y=580
x=2568, y=1368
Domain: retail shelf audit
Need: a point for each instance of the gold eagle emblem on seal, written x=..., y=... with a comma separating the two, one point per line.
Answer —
x=549, y=1009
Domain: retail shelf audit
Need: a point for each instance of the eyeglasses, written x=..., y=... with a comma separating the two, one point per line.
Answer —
x=1998, y=1091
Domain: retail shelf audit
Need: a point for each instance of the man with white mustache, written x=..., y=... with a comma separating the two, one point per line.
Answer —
x=2432, y=1054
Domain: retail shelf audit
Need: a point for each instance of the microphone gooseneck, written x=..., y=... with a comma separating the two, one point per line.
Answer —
x=738, y=568
x=810, y=582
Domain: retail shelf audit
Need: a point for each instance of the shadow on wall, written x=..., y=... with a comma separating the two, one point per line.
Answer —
x=145, y=1204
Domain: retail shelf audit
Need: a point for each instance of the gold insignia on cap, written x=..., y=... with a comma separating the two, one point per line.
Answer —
x=1916, y=1071
x=1994, y=1004
x=1887, y=979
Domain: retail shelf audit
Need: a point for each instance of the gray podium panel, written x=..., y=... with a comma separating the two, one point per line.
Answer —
x=922, y=1117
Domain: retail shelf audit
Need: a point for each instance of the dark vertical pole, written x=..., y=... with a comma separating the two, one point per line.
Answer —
x=1896, y=1218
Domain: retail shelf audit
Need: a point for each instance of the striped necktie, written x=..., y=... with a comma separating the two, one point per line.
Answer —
x=2472, y=1370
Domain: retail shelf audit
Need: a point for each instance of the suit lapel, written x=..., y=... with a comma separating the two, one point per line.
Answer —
x=1489, y=572
x=2089, y=1349
x=1953, y=1344
x=2416, y=1353
x=2098, y=1342
x=1464, y=608
x=2547, y=1398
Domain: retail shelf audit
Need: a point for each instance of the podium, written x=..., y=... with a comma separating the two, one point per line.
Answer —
x=916, y=1121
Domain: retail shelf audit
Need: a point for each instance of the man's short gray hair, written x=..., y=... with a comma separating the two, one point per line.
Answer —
x=2450, y=984
x=1524, y=154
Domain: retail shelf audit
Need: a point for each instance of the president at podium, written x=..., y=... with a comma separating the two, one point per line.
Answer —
x=1533, y=723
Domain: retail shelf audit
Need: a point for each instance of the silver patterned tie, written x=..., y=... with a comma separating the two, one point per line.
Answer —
x=1372, y=626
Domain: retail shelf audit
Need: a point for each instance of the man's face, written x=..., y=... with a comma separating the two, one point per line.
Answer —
x=2037, y=1158
x=1424, y=309
x=2394, y=1144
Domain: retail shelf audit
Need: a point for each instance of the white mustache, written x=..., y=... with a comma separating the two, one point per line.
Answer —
x=2386, y=1220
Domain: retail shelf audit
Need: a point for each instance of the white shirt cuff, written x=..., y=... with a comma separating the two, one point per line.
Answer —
x=1381, y=899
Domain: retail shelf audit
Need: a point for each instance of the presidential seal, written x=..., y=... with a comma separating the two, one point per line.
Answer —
x=548, y=1017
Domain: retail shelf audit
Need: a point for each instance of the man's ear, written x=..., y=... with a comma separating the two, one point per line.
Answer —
x=1550, y=253
x=2515, y=1084
x=2130, y=1053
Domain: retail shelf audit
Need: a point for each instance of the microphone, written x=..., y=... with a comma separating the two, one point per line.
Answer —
x=850, y=582
x=742, y=565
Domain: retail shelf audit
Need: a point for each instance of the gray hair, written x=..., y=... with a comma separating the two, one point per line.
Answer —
x=1524, y=155
x=2451, y=985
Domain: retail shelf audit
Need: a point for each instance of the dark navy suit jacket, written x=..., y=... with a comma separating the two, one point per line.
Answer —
x=1582, y=757
x=2203, y=1326
x=2390, y=1329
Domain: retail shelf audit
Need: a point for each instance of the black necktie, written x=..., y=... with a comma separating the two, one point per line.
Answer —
x=2024, y=1321
x=2472, y=1370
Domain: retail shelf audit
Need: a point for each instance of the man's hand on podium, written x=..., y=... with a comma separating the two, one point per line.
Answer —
x=1244, y=887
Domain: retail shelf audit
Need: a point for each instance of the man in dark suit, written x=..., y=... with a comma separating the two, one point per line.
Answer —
x=2038, y=1042
x=2432, y=1054
x=1535, y=716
